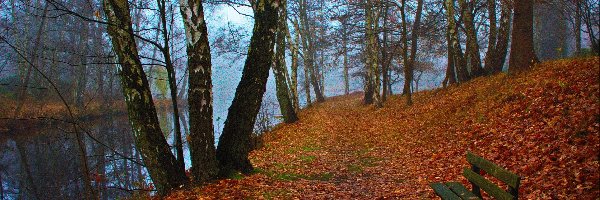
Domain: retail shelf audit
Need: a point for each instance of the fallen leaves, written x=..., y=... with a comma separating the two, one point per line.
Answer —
x=543, y=125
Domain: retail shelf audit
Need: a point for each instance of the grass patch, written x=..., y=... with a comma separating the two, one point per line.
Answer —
x=362, y=152
x=369, y=161
x=321, y=177
x=288, y=176
x=308, y=159
x=354, y=168
x=310, y=148
x=236, y=176
x=284, y=166
x=292, y=150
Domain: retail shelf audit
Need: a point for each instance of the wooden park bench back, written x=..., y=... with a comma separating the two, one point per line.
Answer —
x=454, y=190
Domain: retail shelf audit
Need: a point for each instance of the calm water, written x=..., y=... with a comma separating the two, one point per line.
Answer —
x=44, y=162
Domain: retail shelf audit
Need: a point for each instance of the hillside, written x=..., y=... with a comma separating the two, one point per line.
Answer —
x=544, y=125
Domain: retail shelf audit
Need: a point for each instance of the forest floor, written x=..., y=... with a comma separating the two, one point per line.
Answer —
x=543, y=125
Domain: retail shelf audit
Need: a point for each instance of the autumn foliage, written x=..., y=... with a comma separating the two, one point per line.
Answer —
x=542, y=124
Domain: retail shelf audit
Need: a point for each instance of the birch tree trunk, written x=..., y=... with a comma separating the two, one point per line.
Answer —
x=459, y=60
x=472, y=46
x=373, y=73
x=161, y=164
x=294, y=76
x=202, y=139
x=279, y=69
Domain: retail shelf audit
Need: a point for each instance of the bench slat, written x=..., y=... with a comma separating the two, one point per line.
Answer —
x=504, y=175
x=489, y=187
x=461, y=190
x=443, y=191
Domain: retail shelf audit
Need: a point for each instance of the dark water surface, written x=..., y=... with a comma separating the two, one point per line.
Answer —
x=43, y=160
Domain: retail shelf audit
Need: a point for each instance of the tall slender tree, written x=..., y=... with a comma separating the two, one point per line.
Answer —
x=309, y=50
x=345, y=39
x=171, y=74
x=409, y=62
x=279, y=69
x=294, y=76
x=300, y=41
x=577, y=28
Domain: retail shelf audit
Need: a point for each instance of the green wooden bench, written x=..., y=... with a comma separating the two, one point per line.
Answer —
x=455, y=190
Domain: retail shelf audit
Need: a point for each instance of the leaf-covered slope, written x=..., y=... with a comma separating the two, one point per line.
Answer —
x=543, y=125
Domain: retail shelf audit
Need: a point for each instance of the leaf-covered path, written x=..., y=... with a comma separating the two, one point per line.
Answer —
x=543, y=125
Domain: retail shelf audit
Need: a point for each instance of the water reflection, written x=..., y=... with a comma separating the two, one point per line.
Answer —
x=43, y=162
x=40, y=159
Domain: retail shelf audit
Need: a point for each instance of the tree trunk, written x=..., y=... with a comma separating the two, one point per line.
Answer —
x=372, y=25
x=234, y=143
x=405, y=58
x=385, y=56
x=309, y=51
x=306, y=83
x=577, y=28
x=172, y=83
x=588, y=19
x=294, y=76
x=279, y=69
x=200, y=102
x=162, y=165
x=27, y=174
x=502, y=42
x=87, y=182
x=368, y=77
x=459, y=60
x=472, y=45
x=409, y=68
x=522, y=54
x=450, y=75
x=492, y=38
x=345, y=54
x=498, y=39
x=321, y=73
x=82, y=69
x=22, y=94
